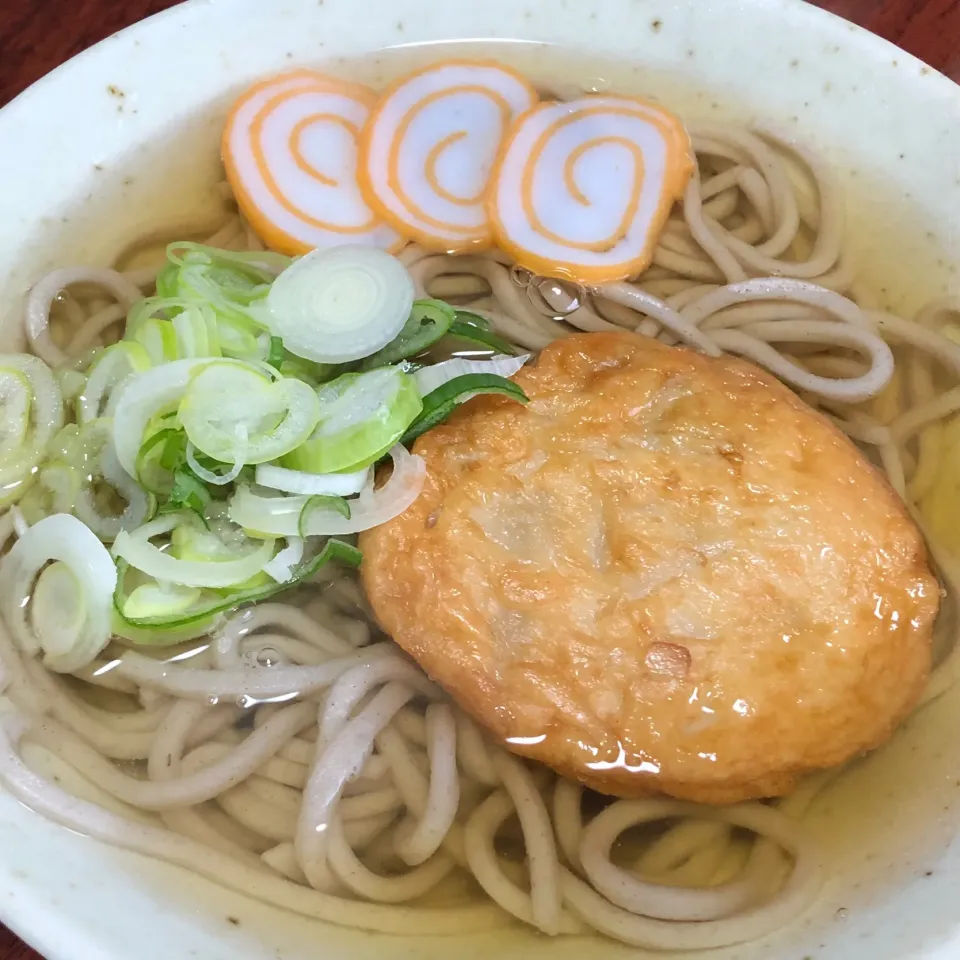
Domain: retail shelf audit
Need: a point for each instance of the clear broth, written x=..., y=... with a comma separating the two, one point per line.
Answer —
x=865, y=820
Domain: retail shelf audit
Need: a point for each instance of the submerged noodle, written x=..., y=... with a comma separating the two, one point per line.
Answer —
x=298, y=757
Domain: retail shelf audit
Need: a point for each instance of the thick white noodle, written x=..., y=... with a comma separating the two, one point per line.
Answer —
x=45, y=291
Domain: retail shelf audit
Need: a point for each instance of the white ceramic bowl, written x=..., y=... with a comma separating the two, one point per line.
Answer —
x=124, y=136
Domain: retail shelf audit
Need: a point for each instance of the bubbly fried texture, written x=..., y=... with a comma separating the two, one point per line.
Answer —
x=666, y=574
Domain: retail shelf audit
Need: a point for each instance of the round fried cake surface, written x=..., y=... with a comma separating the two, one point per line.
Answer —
x=666, y=574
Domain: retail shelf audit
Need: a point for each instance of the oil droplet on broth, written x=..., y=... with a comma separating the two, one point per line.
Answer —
x=555, y=298
x=521, y=276
x=267, y=657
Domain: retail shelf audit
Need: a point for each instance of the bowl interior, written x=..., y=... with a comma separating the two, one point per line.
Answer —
x=123, y=140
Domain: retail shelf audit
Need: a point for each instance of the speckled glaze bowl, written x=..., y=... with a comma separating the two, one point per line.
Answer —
x=124, y=137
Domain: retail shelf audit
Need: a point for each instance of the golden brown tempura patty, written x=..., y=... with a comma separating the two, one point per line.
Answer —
x=665, y=574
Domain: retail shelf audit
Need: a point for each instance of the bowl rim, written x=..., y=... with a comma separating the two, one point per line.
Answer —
x=28, y=916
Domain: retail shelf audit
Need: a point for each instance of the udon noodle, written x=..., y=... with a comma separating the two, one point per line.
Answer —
x=297, y=757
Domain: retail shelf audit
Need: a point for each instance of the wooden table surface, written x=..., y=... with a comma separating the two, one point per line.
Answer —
x=37, y=35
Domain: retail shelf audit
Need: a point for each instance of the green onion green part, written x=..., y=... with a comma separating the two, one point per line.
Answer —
x=169, y=626
x=323, y=502
x=440, y=403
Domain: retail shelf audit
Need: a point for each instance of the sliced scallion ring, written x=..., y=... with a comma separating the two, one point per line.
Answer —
x=158, y=338
x=361, y=417
x=281, y=516
x=58, y=610
x=55, y=491
x=340, y=304
x=429, y=378
x=154, y=599
x=167, y=280
x=312, y=484
x=72, y=624
x=283, y=566
x=108, y=371
x=472, y=319
x=275, y=352
x=152, y=471
x=465, y=330
x=429, y=320
x=71, y=383
x=240, y=340
x=143, y=397
x=189, y=542
x=210, y=476
x=336, y=504
x=102, y=468
x=235, y=414
x=263, y=265
x=15, y=401
x=235, y=285
x=160, y=636
x=169, y=628
x=142, y=554
x=29, y=387
x=197, y=332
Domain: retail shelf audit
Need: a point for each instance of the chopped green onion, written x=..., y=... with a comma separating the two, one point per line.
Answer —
x=240, y=340
x=167, y=281
x=336, y=504
x=187, y=493
x=108, y=371
x=235, y=414
x=103, y=481
x=139, y=552
x=473, y=320
x=312, y=484
x=282, y=567
x=174, y=452
x=429, y=320
x=150, y=471
x=197, y=334
x=362, y=415
x=440, y=403
x=275, y=353
x=65, y=444
x=306, y=370
x=55, y=491
x=429, y=378
x=158, y=338
x=341, y=303
x=73, y=625
x=155, y=599
x=58, y=608
x=280, y=516
x=159, y=636
x=262, y=265
x=234, y=285
x=71, y=383
x=165, y=629
x=189, y=542
x=468, y=331
x=145, y=396
x=209, y=475
x=172, y=328
x=31, y=412
x=15, y=402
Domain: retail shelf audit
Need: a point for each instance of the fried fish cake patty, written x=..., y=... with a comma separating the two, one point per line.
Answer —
x=666, y=574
